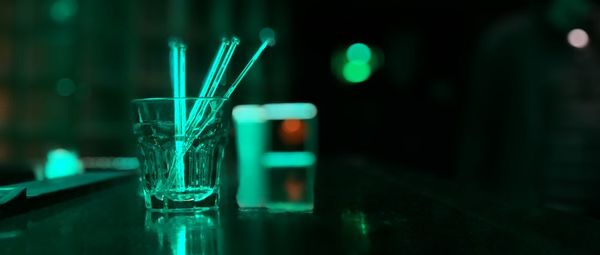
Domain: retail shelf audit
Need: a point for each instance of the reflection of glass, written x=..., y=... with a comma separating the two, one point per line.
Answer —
x=194, y=233
x=356, y=228
x=181, y=160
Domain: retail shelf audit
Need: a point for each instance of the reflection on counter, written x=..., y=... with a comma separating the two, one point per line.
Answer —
x=181, y=233
x=356, y=228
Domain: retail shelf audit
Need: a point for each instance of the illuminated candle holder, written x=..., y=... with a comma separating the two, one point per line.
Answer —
x=277, y=148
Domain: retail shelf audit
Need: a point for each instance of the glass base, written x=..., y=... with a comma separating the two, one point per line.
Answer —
x=154, y=203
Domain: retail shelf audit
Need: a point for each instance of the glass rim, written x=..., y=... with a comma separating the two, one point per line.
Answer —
x=158, y=99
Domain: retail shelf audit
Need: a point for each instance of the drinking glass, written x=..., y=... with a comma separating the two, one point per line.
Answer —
x=181, y=145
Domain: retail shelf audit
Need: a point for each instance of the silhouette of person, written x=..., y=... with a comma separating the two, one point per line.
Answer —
x=532, y=125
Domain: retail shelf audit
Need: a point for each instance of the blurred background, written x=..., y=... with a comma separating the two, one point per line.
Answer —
x=498, y=95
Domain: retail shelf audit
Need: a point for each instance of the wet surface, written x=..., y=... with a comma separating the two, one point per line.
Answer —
x=358, y=210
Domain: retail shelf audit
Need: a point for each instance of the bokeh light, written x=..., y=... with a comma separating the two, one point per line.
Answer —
x=65, y=87
x=578, y=38
x=356, y=63
x=292, y=132
x=266, y=34
x=356, y=72
x=61, y=163
x=358, y=52
x=63, y=10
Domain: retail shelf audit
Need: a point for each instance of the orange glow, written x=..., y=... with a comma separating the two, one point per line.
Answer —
x=294, y=188
x=291, y=126
x=292, y=131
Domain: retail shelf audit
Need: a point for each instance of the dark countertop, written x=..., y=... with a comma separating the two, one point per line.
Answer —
x=358, y=210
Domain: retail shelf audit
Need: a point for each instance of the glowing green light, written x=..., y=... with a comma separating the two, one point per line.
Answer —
x=249, y=113
x=251, y=142
x=289, y=159
x=356, y=72
x=179, y=247
x=224, y=64
x=237, y=81
x=61, y=163
x=267, y=33
x=63, y=10
x=177, y=62
x=65, y=87
x=290, y=111
x=213, y=69
x=358, y=52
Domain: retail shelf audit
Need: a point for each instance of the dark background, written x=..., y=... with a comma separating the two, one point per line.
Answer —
x=67, y=75
x=114, y=51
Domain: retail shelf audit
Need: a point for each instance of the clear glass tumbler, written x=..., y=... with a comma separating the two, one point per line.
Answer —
x=181, y=145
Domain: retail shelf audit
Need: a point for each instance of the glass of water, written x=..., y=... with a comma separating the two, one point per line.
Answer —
x=181, y=145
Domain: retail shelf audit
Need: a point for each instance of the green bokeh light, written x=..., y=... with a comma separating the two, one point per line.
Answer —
x=61, y=163
x=65, y=87
x=356, y=72
x=358, y=52
x=63, y=10
x=267, y=33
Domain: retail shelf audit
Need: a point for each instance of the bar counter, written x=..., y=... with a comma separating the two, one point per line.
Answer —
x=359, y=209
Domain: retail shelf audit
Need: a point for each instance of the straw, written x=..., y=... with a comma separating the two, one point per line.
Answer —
x=209, y=89
x=207, y=82
x=246, y=69
x=213, y=67
x=213, y=87
x=195, y=133
x=183, y=127
x=177, y=61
